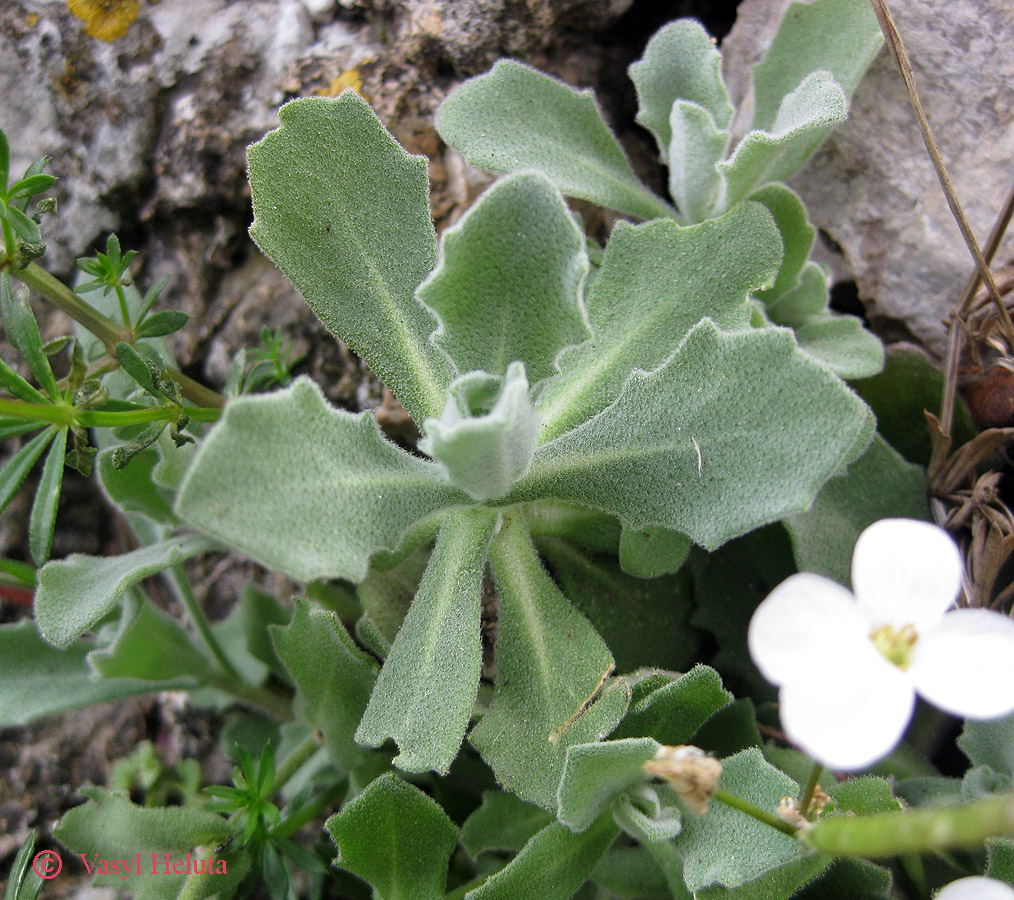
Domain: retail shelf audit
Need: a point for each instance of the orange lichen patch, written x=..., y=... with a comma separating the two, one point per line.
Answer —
x=32, y=19
x=347, y=79
x=107, y=20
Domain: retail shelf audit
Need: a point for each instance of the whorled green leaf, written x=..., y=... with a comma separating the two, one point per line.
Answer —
x=553, y=864
x=16, y=469
x=643, y=622
x=839, y=36
x=509, y=281
x=76, y=593
x=553, y=669
x=304, y=488
x=651, y=552
x=596, y=774
x=150, y=645
x=878, y=485
x=357, y=262
x=332, y=676
x=515, y=117
x=42, y=520
x=680, y=62
x=485, y=440
x=670, y=710
x=38, y=680
x=696, y=148
x=708, y=459
x=424, y=696
x=773, y=154
x=23, y=332
x=396, y=838
x=714, y=846
x=502, y=822
x=657, y=281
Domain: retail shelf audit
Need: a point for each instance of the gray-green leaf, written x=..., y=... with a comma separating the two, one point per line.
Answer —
x=508, y=285
x=696, y=148
x=304, y=488
x=515, y=117
x=502, y=822
x=357, y=262
x=656, y=282
x=708, y=457
x=426, y=689
x=76, y=593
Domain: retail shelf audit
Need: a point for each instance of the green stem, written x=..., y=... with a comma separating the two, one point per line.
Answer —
x=308, y=813
x=38, y=412
x=124, y=309
x=59, y=414
x=8, y=233
x=761, y=815
x=806, y=798
x=295, y=761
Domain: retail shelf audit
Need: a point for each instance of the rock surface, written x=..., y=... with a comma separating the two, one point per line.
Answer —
x=871, y=186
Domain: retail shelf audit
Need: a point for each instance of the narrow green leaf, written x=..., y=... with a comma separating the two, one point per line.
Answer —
x=553, y=669
x=20, y=464
x=485, y=440
x=712, y=846
x=509, y=281
x=333, y=677
x=804, y=117
x=657, y=281
x=424, y=695
x=138, y=367
x=596, y=774
x=162, y=323
x=552, y=866
x=5, y=162
x=24, y=883
x=502, y=822
x=696, y=148
x=396, y=838
x=878, y=485
x=150, y=645
x=803, y=44
x=42, y=520
x=27, y=229
x=680, y=62
x=357, y=263
x=306, y=489
x=15, y=384
x=650, y=552
x=515, y=117
x=23, y=332
x=29, y=187
x=76, y=593
x=11, y=426
x=671, y=452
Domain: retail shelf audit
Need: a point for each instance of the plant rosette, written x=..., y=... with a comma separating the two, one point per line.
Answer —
x=849, y=666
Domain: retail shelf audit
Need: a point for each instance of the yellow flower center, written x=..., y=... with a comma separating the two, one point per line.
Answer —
x=895, y=644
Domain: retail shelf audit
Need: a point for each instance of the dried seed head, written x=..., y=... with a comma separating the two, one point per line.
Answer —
x=689, y=771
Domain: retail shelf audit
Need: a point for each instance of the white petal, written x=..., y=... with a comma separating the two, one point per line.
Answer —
x=793, y=629
x=905, y=572
x=976, y=888
x=849, y=719
x=965, y=664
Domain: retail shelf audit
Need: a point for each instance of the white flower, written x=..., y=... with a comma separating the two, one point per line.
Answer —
x=849, y=666
x=976, y=888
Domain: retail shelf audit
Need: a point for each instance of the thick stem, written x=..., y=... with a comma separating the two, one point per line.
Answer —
x=761, y=815
x=38, y=412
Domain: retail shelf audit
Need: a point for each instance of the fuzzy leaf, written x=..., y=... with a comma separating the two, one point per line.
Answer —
x=386, y=596
x=878, y=485
x=656, y=282
x=990, y=743
x=304, y=488
x=42, y=520
x=796, y=232
x=515, y=117
x=596, y=774
x=16, y=469
x=850, y=879
x=839, y=36
x=680, y=63
x=712, y=846
x=333, y=677
x=23, y=332
x=697, y=147
x=38, y=680
x=708, y=459
x=508, y=284
x=357, y=263
x=844, y=344
x=650, y=552
x=774, y=153
x=133, y=489
x=426, y=689
x=76, y=593
x=485, y=440
x=552, y=866
x=633, y=873
x=804, y=301
x=551, y=668
x=502, y=822
x=396, y=838
x=673, y=710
